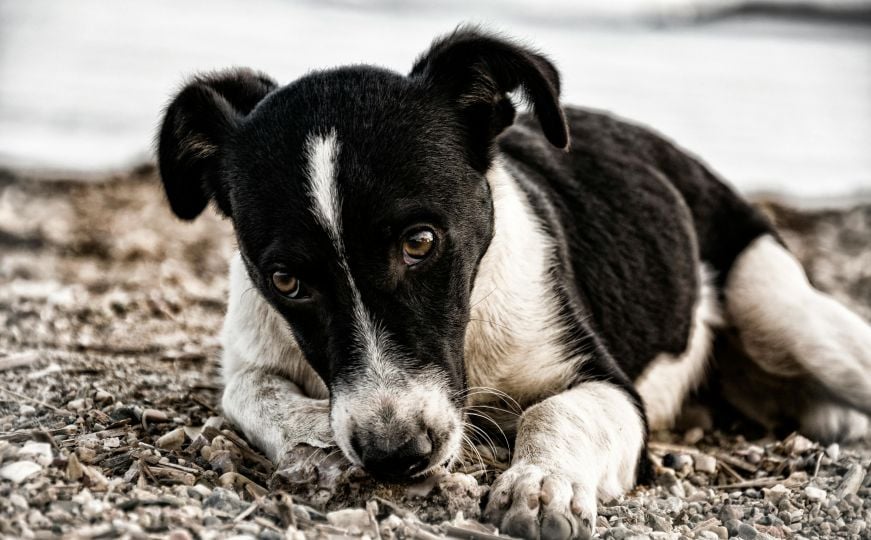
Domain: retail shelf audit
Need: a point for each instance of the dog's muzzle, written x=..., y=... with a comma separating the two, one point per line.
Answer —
x=397, y=432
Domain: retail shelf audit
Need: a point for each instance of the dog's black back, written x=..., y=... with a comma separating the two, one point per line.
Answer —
x=621, y=201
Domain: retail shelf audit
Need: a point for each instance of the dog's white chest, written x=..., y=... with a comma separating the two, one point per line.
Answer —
x=512, y=341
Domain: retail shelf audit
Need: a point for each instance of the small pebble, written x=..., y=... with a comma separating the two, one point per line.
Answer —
x=705, y=463
x=731, y=512
x=747, y=531
x=676, y=461
x=776, y=494
x=39, y=450
x=111, y=442
x=798, y=444
x=179, y=534
x=172, y=440
x=815, y=493
x=18, y=502
x=26, y=410
x=76, y=404
x=19, y=471
x=355, y=520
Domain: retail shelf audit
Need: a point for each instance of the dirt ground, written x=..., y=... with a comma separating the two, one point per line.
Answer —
x=110, y=387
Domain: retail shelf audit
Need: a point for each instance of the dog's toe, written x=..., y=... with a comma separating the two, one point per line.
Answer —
x=529, y=502
x=515, y=501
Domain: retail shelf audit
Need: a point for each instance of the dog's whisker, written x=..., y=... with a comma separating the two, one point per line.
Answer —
x=326, y=457
x=504, y=437
x=492, y=407
x=484, y=435
x=476, y=390
x=314, y=456
x=471, y=447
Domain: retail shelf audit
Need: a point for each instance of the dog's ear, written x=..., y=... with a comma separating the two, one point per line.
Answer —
x=195, y=128
x=477, y=71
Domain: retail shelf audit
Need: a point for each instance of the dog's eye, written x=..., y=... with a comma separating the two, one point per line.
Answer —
x=417, y=245
x=286, y=285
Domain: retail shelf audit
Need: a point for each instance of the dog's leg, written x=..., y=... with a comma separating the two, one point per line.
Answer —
x=572, y=449
x=789, y=328
x=270, y=393
x=274, y=414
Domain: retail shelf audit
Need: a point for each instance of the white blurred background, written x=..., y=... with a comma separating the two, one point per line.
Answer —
x=775, y=96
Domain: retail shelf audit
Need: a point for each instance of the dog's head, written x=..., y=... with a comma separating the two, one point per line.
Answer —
x=362, y=210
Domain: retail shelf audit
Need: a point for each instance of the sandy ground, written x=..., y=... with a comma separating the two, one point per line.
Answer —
x=110, y=385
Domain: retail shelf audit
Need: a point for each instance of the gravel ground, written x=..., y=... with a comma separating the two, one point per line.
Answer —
x=109, y=389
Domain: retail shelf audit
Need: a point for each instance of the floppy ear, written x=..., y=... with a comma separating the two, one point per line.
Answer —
x=195, y=128
x=477, y=71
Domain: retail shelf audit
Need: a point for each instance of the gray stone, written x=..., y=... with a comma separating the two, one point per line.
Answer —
x=677, y=462
x=269, y=534
x=225, y=501
x=732, y=526
x=731, y=512
x=659, y=523
x=747, y=531
x=618, y=533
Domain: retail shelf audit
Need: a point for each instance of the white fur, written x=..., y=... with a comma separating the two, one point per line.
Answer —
x=514, y=317
x=668, y=379
x=575, y=447
x=788, y=327
x=321, y=152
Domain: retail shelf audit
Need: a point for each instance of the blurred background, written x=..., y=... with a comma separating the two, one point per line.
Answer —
x=775, y=95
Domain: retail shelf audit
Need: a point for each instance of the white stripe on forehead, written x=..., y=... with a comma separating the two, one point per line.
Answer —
x=322, y=153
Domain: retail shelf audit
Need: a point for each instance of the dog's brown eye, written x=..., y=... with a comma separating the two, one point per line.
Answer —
x=417, y=245
x=286, y=284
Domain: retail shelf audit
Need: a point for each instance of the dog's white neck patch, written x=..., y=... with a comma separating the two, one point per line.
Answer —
x=322, y=152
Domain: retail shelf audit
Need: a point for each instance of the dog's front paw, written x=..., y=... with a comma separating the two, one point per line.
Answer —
x=531, y=501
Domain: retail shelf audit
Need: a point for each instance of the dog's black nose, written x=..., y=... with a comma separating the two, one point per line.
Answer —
x=393, y=458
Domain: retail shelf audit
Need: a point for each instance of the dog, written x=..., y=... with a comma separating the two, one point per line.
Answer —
x=414, y=257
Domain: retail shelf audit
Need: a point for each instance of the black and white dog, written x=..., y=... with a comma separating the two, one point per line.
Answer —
x=409, y=249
